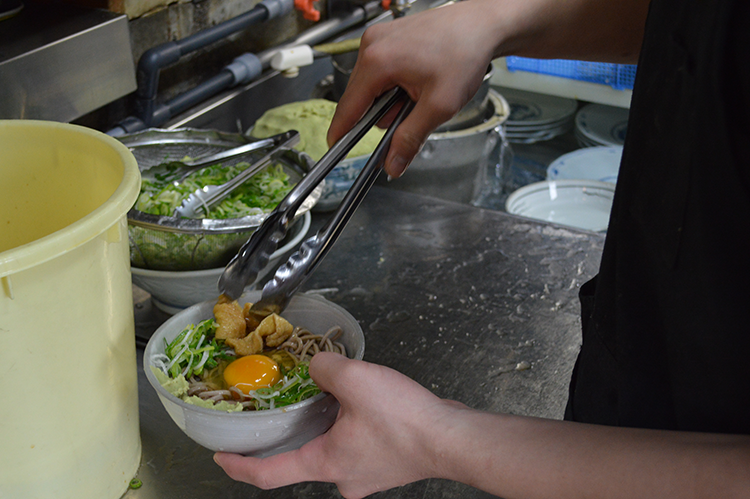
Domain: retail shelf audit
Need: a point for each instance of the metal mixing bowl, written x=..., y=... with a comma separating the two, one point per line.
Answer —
x=453, y=165
x=173, y=243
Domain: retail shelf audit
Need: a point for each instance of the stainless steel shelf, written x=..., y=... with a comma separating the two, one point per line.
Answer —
x=60, y=62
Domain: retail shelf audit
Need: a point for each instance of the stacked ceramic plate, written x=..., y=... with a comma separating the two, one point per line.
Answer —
x=600, y=163
x=536, y=117
x=583, y=204
x=600, y=125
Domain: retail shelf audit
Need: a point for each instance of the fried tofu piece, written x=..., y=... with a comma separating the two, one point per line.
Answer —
x=251, y=320
x=272, y=331
x=229, y=319
x=249, y=345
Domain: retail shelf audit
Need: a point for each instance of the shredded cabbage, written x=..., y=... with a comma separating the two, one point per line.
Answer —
x=259, y=194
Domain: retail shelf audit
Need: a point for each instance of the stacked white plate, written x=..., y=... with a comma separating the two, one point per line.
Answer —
x=536, y=117
x=600, y=125
x=600, y=163
x=583, y=204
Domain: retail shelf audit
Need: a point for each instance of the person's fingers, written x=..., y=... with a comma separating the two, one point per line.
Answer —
x=269, y=473
x=364, y=85
x=413, y=132
x=386, y=120
x=354, y=103
x=327, y=368
x=274, y=471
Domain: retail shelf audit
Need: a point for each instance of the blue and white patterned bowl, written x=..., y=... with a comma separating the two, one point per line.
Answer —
x=339, y=181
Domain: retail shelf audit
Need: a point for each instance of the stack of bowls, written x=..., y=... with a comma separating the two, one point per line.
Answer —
x=578, y=191
x=581, y=204
x=601, y=125
x=174, y=290
x=536, y=117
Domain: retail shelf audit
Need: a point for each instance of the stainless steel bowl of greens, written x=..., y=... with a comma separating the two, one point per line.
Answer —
x=160, y=241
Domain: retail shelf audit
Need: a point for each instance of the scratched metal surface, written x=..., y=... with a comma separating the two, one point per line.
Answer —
x=476, y=305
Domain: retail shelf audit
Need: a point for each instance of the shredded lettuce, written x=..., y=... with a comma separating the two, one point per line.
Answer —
x=179, y=388
x=176, y=386
x=259, y=194
x=221, y=405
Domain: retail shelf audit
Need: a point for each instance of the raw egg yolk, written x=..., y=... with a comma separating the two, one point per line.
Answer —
x=252, y=372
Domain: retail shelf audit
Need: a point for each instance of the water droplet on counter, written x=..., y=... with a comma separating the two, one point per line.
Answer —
x=395, y=317
x=522, y=366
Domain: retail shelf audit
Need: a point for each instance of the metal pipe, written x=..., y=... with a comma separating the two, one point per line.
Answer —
x=243, y=69
x=156, y=58
x=198, y=94
x=327, y=29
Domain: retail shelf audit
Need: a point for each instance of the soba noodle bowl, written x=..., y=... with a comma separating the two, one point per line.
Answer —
x=206, y=383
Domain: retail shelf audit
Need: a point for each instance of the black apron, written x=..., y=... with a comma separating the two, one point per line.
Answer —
x=666, y=323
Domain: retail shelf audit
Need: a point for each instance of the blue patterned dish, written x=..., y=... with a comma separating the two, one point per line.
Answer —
x=339, y=181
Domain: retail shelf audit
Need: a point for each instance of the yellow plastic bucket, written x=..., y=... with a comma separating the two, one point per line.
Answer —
x=68, y=376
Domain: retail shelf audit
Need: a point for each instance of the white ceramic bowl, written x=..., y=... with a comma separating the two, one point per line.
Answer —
x=583, y=204
x=258, y=433
x=172, y=291
x=591, y=163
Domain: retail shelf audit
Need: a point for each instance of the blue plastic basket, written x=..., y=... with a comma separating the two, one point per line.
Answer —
x=618, y=76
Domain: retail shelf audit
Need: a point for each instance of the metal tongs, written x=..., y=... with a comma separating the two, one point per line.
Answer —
x=198, y=203
x=255, y=254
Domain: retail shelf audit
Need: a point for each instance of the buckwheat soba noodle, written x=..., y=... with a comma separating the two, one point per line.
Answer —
x=231, y=362
x=303, y=344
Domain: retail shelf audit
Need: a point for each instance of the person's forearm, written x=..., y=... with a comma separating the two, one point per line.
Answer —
x=521, y=457
x=598, y=30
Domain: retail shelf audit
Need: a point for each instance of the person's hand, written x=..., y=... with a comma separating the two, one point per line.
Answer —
x=440, y=56
x=440, y=73
x=382, y=437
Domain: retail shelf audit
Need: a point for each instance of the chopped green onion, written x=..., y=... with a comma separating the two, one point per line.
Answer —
x=189, y=355
x=294, y=387
x=259, y=194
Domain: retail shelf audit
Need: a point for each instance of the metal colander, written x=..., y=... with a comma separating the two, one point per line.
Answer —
x=172, y=243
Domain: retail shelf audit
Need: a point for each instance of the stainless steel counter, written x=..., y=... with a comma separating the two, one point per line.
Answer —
x=476, y=305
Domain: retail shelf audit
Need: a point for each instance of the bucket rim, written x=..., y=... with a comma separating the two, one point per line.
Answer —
x=86, y=228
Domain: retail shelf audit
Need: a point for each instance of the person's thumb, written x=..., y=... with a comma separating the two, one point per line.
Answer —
x=409, y=138
x=326, y=369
